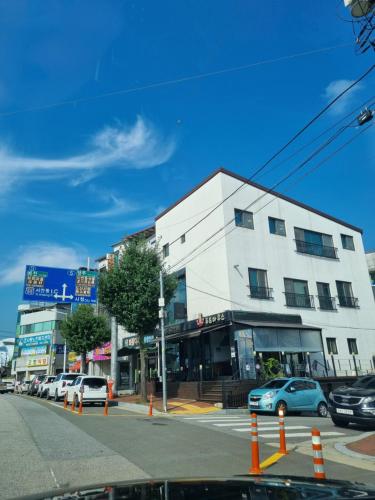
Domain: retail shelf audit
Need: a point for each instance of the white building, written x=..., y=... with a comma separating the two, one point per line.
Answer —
x=39, y=345
x=6, y=351
x=370, y=257
x=281, y=280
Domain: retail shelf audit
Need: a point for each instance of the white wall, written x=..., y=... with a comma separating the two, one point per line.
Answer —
x=213, y=270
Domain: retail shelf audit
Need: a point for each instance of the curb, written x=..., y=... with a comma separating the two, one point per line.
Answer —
x=137, y=408
x=361, y=456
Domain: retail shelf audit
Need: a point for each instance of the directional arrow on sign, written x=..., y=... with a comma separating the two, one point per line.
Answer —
x=63, y=296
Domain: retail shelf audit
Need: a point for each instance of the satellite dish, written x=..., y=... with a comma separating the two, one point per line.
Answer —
x=359, y=8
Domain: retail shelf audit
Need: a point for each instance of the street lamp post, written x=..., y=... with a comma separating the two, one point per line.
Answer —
x=163, y=360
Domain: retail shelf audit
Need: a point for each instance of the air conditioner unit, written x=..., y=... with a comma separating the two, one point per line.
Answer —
x=359, y=8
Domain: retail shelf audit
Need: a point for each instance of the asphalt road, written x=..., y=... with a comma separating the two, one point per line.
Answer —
x=45, y=447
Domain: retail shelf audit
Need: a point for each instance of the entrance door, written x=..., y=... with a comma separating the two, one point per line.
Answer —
x=295, y=365
x=124, y=375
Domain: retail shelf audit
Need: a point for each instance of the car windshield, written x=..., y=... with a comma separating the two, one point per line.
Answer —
x=71, y=376
x=365, y=382
x=275, y=384
x=94, y=383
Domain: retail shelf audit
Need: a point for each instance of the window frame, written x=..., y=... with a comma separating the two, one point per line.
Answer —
x=351, y=351
x=344, y=239
x=275, y=219
x=165, y=250
x=183, y=238
x=334, y=344
x=237, y=212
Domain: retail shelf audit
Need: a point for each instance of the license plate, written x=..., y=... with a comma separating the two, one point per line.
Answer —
x=344, y=411
x=254, y=403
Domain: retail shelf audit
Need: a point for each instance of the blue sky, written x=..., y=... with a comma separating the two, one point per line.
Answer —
x=77, y=177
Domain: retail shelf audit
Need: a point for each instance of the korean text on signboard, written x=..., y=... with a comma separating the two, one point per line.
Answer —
x=34, y=340
x=50, y=284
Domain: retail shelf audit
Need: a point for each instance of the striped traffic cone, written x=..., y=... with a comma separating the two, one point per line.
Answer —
x=65, y=401
x=317, y=455
x=73, y=407
x=80, y=408
x=282, y=448
x=106, y=408
x=255, y=467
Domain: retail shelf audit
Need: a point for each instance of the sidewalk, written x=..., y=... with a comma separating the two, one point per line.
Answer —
x=364, y=446
x=176, y=406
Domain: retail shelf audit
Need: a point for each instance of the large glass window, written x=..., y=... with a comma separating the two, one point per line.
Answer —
x=345, y=294
x=259, y=284
x=297, y=293
x=314, y=243
x=243, y=218
x=43, y=326
x=326, y=302
x=277, y=226
x=176, y=309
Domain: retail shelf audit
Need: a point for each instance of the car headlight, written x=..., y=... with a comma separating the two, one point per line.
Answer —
x=268, y=395
x=370, y=399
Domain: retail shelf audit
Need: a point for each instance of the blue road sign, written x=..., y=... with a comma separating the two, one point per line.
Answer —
x=51, y=284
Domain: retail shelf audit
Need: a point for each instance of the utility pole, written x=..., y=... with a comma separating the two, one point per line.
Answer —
x=114, y=342
x=163, y=362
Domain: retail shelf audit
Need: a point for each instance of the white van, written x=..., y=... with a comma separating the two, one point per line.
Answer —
x=92, y=389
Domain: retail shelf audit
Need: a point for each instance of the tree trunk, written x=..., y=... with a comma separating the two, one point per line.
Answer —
x=143, y=387
x=83, y=363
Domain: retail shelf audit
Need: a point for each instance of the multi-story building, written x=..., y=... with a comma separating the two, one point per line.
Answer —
x=39, y=346
x=370, y=257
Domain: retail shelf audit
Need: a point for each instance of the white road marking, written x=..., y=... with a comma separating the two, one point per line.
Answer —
x=210, y=417
x=300, y=434
x=274, y=428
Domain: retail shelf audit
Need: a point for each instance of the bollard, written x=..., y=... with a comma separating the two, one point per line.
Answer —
x=73, y=405
x=255, y=468
x=106, y=408
x=150, y=407
x=80, y=408
x=65, y=401
x=317, y=455
x=282, y=448
x=110, y=389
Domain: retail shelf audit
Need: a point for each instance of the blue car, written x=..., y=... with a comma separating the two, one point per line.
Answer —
x=289, y=394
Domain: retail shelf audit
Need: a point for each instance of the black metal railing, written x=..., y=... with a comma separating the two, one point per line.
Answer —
x=299, y=300
x=316, y=249
x=261, y=292
x=347, y=301
x=327, y=303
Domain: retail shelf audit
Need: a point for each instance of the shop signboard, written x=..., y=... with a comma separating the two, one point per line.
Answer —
x=33, y=340
x=34, y=350
x=35, y=362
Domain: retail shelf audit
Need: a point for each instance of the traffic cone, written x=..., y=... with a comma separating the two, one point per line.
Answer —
x=73, y=407
x=80, y=408
x=255, y=467
x=282, y=448
x=150, y=407
x=106, y=408
x=317, y=455
x=65, y=401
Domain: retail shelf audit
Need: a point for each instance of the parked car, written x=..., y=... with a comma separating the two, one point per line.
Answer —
x=10, y=386
x=3, y=387
x=354, y=404
x=43, y=387
x=288, y=394
x=58, y=387
x=91, y=389
x=23, y=387
x=33, y=387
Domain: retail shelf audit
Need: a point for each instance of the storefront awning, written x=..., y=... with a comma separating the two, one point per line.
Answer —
x=194, y=333
x=278, y=325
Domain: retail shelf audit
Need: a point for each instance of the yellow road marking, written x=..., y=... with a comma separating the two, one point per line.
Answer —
x=271, y=460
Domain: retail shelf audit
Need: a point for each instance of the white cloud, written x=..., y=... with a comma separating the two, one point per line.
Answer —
x=139, y=146
x=334, y=88
x=40, y=254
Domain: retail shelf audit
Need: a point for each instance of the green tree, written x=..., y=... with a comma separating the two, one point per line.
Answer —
x=84, y=331
x=130, y=292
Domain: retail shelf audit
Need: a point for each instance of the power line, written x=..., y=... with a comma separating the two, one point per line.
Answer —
x=232, y=229
x=174, y=81
x=270, y=190
x=279, y=151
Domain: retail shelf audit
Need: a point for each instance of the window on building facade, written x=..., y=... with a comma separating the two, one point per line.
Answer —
x=277, y=226
x=345, y=294
x=352, y=346
x=259, y=284
x=43, y=326
x=326, y=302
x=165, y=250
x=347, y=242
x=297, y=293
x=243, y=218
x=331, y=345
x=183, y=238
x=177, y=306
x=314, y=243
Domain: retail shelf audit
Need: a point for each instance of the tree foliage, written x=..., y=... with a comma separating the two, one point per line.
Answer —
x=131, y=289
x=84, y=331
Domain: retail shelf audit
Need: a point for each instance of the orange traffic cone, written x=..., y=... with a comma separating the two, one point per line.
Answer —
x=106, y=408
x=73, y=407
x=65, y=402
x=80, y=408
x=150, y=407
x=282, y=448
x=318, y=459
x=255, y=467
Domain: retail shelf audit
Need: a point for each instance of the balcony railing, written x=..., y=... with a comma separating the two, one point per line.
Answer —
x=316, y=249
x=346, y=301
x=327, y=303
x=299, y=300
x=260, y=292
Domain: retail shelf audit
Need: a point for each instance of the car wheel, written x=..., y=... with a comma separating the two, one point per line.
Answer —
x=322, y=410
x=281, y=405
x=56, y=398
x=339, y=423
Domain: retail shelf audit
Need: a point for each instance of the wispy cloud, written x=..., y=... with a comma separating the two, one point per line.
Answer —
x=334, y=88
x=138, y=147
x=41, y=254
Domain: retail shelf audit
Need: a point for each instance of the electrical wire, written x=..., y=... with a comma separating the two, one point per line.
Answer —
x=279, y=151
x=174, y=81
x=183, y=260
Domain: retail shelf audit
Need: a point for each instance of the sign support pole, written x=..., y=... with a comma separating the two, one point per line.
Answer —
x=163, y=360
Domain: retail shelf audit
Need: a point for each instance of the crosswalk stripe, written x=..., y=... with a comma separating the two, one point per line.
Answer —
x=238, y=422
x=210, y=417
x=274, y=428
x=300, y=434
